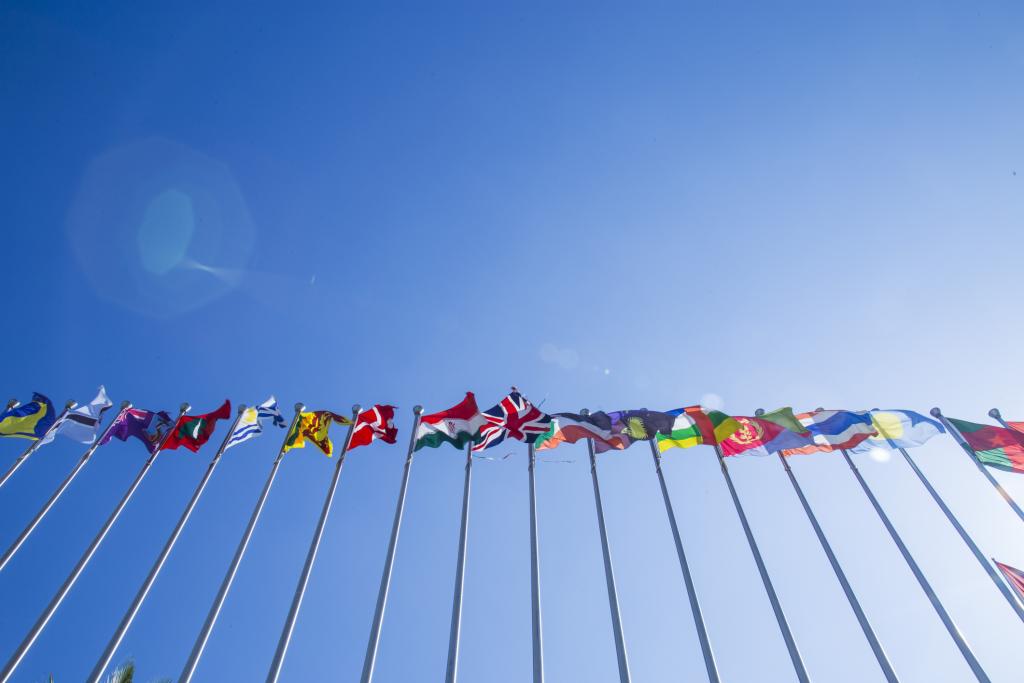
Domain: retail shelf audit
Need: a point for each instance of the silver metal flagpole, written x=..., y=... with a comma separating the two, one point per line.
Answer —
x=307, y=569
x=389, y=562
x=23, y=536
x=37, y=443
x=460, y=574
x=225, y=586
x=609, y=572
x=691, y=592
x=780, y=616
x=48, y=613
x=538, y=640
x=947, y=621
x=133, y=609
x=992, y=573
x=935, y=412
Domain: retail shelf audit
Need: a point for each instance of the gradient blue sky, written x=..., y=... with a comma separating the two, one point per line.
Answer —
x=804, y=204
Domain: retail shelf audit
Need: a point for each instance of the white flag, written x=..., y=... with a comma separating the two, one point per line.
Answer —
x=82, y=423
x=249, y=424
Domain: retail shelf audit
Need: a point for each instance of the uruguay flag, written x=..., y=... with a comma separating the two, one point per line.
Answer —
x=898, y=429
x=250, y=424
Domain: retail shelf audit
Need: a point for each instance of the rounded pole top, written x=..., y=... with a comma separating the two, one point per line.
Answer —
x=241, y=408
x=299, y=407
x=125, y=405
x=818, y=409
x=355, y=408
x=13, y=402
x=994, y=413
x=759, y=412
x=935, y=412
x=417, y=410
x=584, y=412
x=185, y=407
x=69, y=405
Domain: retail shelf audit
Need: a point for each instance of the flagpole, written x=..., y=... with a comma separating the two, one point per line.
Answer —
x=51, y=608
x=698, y=615
x=947, y=621
x=140, y=597
x=229, y=577
x=780, y=616
x=1007, y=593
x=974, y=458
x=307, y=569
x=16, y=545
x=609, y=572
x=460, y=574
x=385, y=580
x=538, y=640
x=34, y=446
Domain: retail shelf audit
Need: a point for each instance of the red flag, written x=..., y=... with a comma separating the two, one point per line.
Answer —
x=375, y=423
x=1014, y=577
x=192, y=431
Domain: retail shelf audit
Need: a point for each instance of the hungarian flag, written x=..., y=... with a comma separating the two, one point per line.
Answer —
x=995, y=446
x=1014, y=577
x=376, y=423
x=458, y=425
x=314, y=426
x=571, y=427
x=833, y=430
x=192, y=431
x=766, y=434
x=693, y=426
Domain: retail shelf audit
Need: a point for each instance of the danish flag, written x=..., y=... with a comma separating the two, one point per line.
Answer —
x=376, y=423
x=513, y=416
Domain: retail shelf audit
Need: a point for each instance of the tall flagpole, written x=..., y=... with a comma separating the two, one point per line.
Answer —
x=780, y=616
x=609, y=572
x=974, y=458
x=48, y=613
x=698, y=615
x=538, y=639
x=947, y=621
x=389, y=562
x=37, y=443
x=460, y=574
x=133, y=609
x=27, y=531
x=225, y=586
x=1000, y=584
x=307, y=569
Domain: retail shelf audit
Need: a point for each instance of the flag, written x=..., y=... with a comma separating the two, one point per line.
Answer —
x=834, y=430
x=571, y=427
x=192, y=431
x=82, y=423
x=996, y=446
x=314, y=426
x=693, y=426
x=376, y=423
x=1014, y=577
x=458, y=425
x=766, y=434
x=898, y=429
x=29, y=420
x=250, y=424
x=145, y=425
x=513, y=416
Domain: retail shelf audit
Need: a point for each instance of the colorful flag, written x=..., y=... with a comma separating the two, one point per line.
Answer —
x=251, y=422
x=766, y=434
x=571, y=427
x=29, y=420
x=898, y=429
x=513, y=416
x=1014, y=577
x=145, y=425
x=834, y=430
x=693, y=426
x=82, y=423
x=376, y=423
x=314, y=426
x=458, y=425
x=192, y=431
x=995, y=446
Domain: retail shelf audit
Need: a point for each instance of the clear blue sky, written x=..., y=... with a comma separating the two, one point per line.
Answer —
x=609, y=207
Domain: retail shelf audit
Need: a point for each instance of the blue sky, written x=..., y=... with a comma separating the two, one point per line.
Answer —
x=608, y=207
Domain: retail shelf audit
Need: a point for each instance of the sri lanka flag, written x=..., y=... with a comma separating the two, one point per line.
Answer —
x=833, y=430
x=30, y=420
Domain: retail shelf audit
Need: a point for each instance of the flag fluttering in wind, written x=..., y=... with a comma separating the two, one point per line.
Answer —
x=376, y=423
x=83, y=423
x=571, y=427
x=314, y=426
x=192, y=431
x=995, y=446
x=1014, y=577
x=29, y=420
x=147, y=426
x=693, y=426
x=834, y=430
x=898, y=429
x=513, y=416
x=251, y=422
x=766, y=434
x=458, y=425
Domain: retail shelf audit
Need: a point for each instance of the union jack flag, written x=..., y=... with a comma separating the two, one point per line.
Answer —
x=513, y=416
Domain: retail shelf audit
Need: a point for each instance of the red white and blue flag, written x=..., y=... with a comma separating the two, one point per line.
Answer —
x=1013, y=576
x=513, y=416
x=834, y=430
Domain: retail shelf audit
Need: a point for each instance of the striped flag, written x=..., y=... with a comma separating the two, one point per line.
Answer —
x=250, y=424
x=834, y=430
x=82, y=423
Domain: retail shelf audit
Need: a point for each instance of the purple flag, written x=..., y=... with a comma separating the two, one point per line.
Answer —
x=145, y=425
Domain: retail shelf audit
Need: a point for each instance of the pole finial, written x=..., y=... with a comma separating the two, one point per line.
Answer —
x=994, y=413
x=241, y=408
x=185, y=407
x=70, y=404
x=759, y=412
x=356, y=408
x=125, y=405
x=935, y=412
x=417, y=410
x=299, y=407
x=584, y=412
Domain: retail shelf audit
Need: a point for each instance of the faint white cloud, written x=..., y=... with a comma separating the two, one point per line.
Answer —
x=565, y=358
